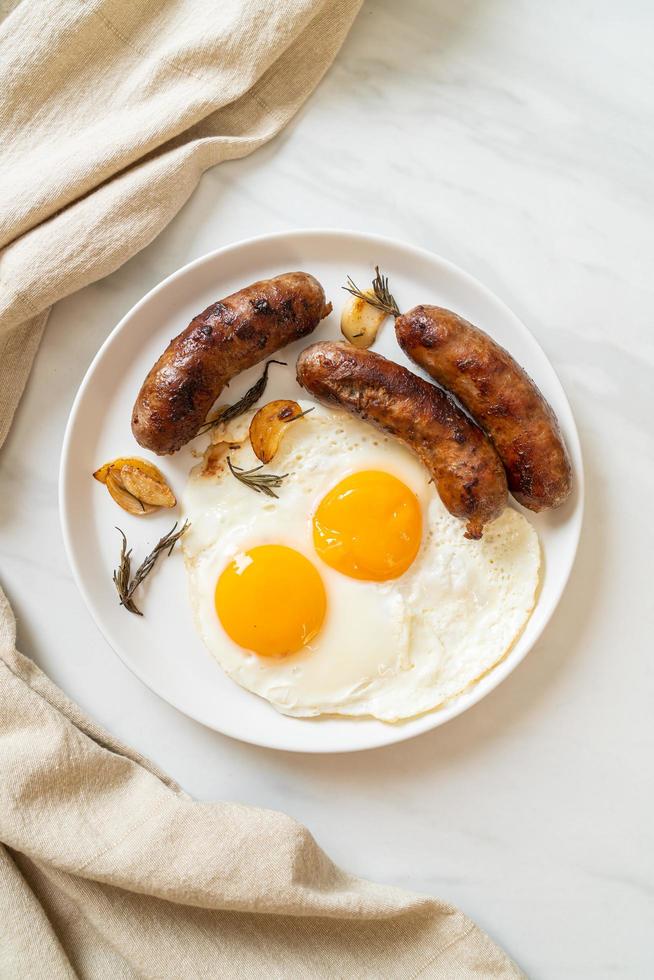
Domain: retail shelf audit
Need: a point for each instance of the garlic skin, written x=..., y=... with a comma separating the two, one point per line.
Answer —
x=124, y=498
x=137, y=485
x=360, y=322
x=149, y=490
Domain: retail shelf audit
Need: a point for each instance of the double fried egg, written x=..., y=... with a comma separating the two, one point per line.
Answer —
x=354, y=591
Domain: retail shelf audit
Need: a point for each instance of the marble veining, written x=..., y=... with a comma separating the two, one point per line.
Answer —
x=515, y=139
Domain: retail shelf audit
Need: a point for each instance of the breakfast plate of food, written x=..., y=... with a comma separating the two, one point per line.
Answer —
x=338, y=507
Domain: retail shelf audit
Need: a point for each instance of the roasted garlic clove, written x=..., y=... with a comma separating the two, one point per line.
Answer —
x=360, y=321
x=139, y=487
x=215, y=457
x=145, y=487
x=268, y=425
x=124, y=498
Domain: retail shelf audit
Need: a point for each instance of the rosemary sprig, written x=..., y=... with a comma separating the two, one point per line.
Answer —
x=126, y=586
x=122, y=575
x=294, y=418
x=382, y=297
x=259, y=482
x=251, y=396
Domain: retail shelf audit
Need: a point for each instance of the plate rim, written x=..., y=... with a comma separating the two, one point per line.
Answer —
x=468, y=698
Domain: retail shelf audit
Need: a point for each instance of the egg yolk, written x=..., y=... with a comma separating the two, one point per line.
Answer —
x=271, y=600
x=368, y=526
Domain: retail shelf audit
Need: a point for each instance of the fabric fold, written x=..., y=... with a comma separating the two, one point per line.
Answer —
x=111, y=112
x=100, y=848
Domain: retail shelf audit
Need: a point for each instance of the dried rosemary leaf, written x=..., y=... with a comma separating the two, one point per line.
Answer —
x=250, y=398
x=257, y=481
x=382, y=297
x=126, y=586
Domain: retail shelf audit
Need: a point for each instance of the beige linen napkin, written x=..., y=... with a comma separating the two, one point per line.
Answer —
x=110, y=110
x=108, y=870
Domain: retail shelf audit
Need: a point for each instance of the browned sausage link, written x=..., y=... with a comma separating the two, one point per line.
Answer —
x=499, y=394
x=464, y=466
x=219, y=343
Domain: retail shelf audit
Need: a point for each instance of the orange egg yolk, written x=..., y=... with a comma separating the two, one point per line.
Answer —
x=368, y=526
x=271, y=600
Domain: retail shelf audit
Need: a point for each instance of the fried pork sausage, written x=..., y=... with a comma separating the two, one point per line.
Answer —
x=499, y=395
x=462, y=462
x=219, y=343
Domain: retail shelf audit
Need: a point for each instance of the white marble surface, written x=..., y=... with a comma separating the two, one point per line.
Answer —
x=514, y=138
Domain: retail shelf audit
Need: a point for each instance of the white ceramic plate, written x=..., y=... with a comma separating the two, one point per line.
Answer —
x=162, y=648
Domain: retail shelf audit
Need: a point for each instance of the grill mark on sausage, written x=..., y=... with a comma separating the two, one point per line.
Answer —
x=261, y=305
x=245, y=330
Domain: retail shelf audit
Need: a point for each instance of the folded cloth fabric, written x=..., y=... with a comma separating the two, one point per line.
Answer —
x=108, y=870
x=110, y=111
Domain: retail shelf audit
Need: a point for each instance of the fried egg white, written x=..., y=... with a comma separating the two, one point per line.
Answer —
x=442, y=612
